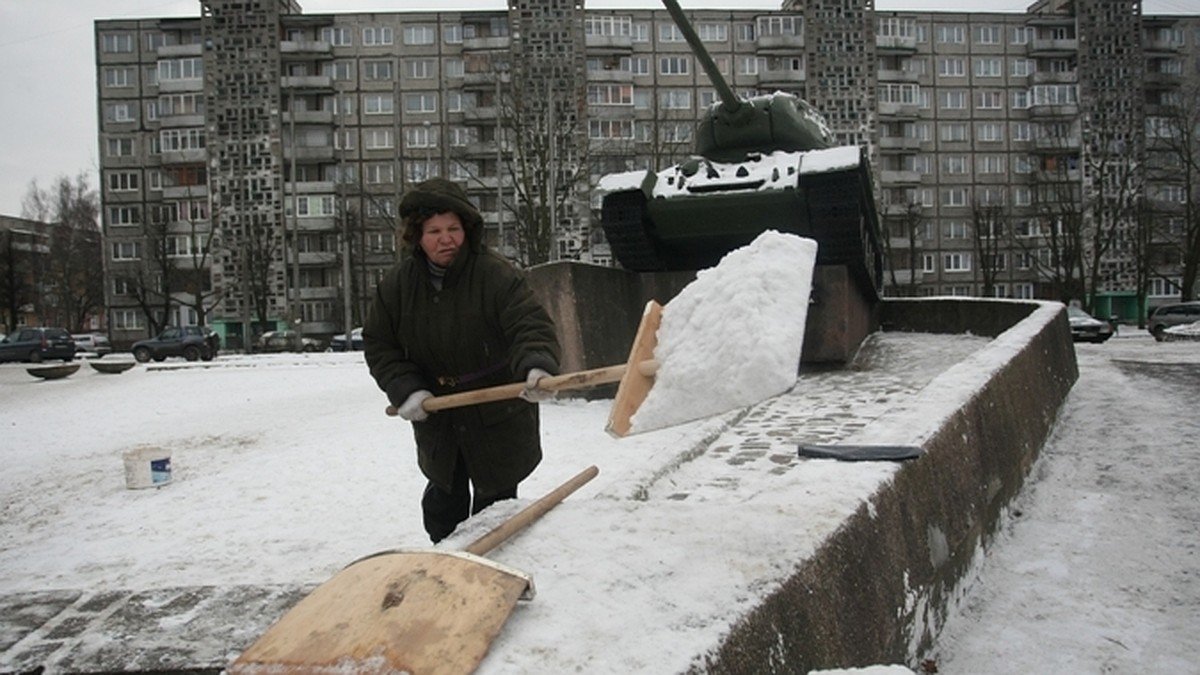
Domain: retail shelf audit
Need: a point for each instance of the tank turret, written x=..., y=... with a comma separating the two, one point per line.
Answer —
x=766, y=162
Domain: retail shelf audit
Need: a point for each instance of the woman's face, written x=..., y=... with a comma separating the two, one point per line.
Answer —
x=441, y=237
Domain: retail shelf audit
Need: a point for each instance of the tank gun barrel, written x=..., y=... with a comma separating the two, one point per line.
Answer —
x=729, y=100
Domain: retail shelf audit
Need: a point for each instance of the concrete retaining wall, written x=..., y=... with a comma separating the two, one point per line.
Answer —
x=877, y=591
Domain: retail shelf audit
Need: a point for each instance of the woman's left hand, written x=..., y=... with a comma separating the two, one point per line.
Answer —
x=532, y=392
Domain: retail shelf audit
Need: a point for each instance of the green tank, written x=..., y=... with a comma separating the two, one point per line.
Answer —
x=764, y=163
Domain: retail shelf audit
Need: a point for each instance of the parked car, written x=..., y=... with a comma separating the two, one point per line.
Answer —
x=94, y=343
x=190, y=342
x=338, y=342
x=37, y=344
x=286, y=341
x=1087, y=328
x=1166, y=316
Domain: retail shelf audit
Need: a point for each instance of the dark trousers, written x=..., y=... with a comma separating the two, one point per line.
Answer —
x=443, y=511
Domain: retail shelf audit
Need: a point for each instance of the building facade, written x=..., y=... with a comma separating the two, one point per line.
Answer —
x=252, y=157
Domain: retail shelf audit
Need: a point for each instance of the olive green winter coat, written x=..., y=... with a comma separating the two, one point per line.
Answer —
x=484, y=328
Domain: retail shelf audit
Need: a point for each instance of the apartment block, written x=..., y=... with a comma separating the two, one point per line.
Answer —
x=252, y=157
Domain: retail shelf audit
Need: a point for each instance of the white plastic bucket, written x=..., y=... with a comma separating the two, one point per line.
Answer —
x=146, y=467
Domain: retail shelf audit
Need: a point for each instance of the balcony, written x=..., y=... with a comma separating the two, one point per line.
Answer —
x=192, y=156
x=889, y=177
x=780, y=78
x=1059, y=110
x=317, y=153
x=618, y=76
x=184, y=191
x=896, y=43
x=305, y=187
x=780, y=42
x=177, y=86
x=305, y=49
x=1163, y=80
x=308, y=116
x=318, y=293
x=307, y=82
x=1053, y=144
x=899, y=143
x=315, y=223
x=173, y=121
x=609, y=43
x=322, y=258
x=502, y=42
x=1053, y=47
x=898, y=76
x=180, y=51
x=1056, y=78
x=898, y=110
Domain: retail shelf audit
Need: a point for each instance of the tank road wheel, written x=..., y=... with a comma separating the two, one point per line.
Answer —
x=623, y=215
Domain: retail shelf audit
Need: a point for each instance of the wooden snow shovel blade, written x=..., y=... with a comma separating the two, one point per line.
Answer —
x=422, y=612
x=636, y=377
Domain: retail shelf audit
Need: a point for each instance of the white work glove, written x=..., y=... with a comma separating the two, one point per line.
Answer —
x=411, y=409
x=532, y=392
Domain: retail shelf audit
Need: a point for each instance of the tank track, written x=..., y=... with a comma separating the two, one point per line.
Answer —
x=623, y=215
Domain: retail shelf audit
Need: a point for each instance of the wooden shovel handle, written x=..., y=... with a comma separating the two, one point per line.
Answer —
x=530, y=513
x=577, y=380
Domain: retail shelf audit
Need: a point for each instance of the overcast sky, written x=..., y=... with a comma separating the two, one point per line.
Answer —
x=47, y=68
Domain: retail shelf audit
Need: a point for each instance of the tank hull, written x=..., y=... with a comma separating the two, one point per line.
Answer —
x=687, y=218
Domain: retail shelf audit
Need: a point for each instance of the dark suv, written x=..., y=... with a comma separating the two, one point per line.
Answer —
x=191, y=342
x=37, y=344
x=1166, y=316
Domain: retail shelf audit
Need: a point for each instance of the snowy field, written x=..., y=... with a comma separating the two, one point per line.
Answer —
x=285, y=468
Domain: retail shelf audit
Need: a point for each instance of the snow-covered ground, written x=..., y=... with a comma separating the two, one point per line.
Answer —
x=285, y=468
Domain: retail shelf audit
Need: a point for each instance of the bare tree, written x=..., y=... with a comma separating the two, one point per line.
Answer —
x=990, y=238
x=1057, y=250
x=70, y=275
x=1175, y=136
x=907, y=227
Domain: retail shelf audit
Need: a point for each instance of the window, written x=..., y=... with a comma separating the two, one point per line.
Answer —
x=127, y=250
x=989, y=132
x=989, y=67
x=1054, y=94
x=377, y=35
x=124, y=215
x=127, y=319
x=117, y=77
x=954, y=164
x=953, y=99
x=1023, y=291
x=675, y=99
x=903, y=94
x=453, y=34
x=378, y=104
x=641, y=32
x=1020, y=35
x=420, y=137
x=610, y=94
x=990, y=163
x=123, y=181
x=1022, y=196
x=951, y=67
x=463, y=136
x=337, y=36
x=116, y=43
x=928, y=263
x=956, y=262
x=745, y=32
x=419, y=69
x=375, y=173
x=669, y=32
x=181, y=69
x=748, y=65
x=119, y=112
x=419, y=35
x=1022, y=131
x=953, y=131
x=339, y=71
x=897, y=27
x=420, y=103
x=780, y=25
x=377, y=70
x=639, y=65
x=713, y=32
x=954, y=230
x=1020, y=67
x=989, y=100
x=956, y=196
x=175, y=140
x=378, y=139
x=181, y=104
x=987, y=35
x=945, y=34
x=610, y=129
x=454, y=67
x=608, y=26
x=673, y=65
